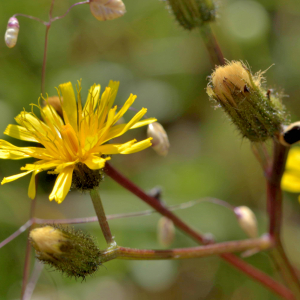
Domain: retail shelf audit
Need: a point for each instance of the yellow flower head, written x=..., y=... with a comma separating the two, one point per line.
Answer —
x=78, y=142
x=291, y=178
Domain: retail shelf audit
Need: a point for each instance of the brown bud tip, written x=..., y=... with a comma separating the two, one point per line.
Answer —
x=56, y=103
x=247, y=220
x=104, y=10
x=160, y=141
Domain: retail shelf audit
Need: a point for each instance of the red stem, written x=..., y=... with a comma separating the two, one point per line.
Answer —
x=230, y=258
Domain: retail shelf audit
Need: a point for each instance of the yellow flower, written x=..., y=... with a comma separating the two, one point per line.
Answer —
x=291, y=177
x=76, y=142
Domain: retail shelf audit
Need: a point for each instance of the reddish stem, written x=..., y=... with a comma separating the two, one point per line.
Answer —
x=230, y=258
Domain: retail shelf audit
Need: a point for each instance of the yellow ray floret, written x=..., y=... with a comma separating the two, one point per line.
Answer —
x=78, y=138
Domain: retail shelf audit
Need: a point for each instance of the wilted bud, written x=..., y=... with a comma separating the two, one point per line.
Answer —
x=160, y=141
x=104, y=10
x=55, y=102
x=193, y=13
x=71, y=252
x=247, y=220
x=12, y=31
x=258, y=114
x=165, y=231
x=290, y=134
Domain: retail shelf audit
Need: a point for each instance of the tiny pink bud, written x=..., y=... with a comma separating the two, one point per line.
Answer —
x=104, y=10
x=160, y=141
x=12, y=31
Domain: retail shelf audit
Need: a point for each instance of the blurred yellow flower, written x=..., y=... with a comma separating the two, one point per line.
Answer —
x=76, y=142
x=291, y=177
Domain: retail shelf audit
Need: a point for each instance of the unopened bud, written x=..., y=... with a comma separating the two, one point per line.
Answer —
x=290, y=134
x=246, y=220
x=160, y=141
x=56, y=103
x=12, y=31
x=165, y=231
x=193, y=13
x=71, y=252
x=104, y=10
x=257, y=114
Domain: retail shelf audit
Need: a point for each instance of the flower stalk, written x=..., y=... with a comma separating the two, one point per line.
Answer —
x=99, y=209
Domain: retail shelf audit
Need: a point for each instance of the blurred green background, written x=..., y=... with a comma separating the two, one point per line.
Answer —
x=167, y=67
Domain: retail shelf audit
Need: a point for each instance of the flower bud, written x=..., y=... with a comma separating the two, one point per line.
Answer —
x=71, y=252
x=160, y=141
x=104, y=10
x=257, y=114
x=290, y=134
x=12, y=31
x=165, y=231
x=193, y=13
x=246, y=220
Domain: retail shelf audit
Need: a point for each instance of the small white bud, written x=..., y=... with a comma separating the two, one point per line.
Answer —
x=12, y=31
x=247, y=220
x=104, y=10
x=160, y=142
x=165, y=231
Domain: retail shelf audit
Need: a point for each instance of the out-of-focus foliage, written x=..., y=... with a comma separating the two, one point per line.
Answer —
x=166, y=67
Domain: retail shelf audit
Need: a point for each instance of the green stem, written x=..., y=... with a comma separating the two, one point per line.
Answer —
x=99, y=209
x=212, y=46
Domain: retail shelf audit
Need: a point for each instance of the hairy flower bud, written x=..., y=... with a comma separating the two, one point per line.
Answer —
x=257, y=113
x=71, y=252
x=193, y=13
x=104, y=10
x=247, y=220
x=160, y=141
x=12, y=31
x=165, y=231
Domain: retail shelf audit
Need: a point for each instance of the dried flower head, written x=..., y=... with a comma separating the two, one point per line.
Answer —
x=70, y=251
x=257, y=113
x=75, y=146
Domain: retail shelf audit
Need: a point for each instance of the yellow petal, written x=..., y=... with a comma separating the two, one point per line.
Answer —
x=125, y=107
x=291, y=182
x=293, y=161
x=113, y=148
x=143, y=123
x=137, y=147
x=11, y=154
x=14, y=177
x=52, y=116
x=32, y=187
x=92, y=99
x=95, y=162
x=69, y=104
x=21, y=133
x=42, y=165
x=62, y=185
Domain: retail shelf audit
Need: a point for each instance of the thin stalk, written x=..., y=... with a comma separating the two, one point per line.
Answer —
x=195, y=252
x=274, y=198
x=230, y=258
x=28, y=251
x=99, y=209
x=212, y=46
